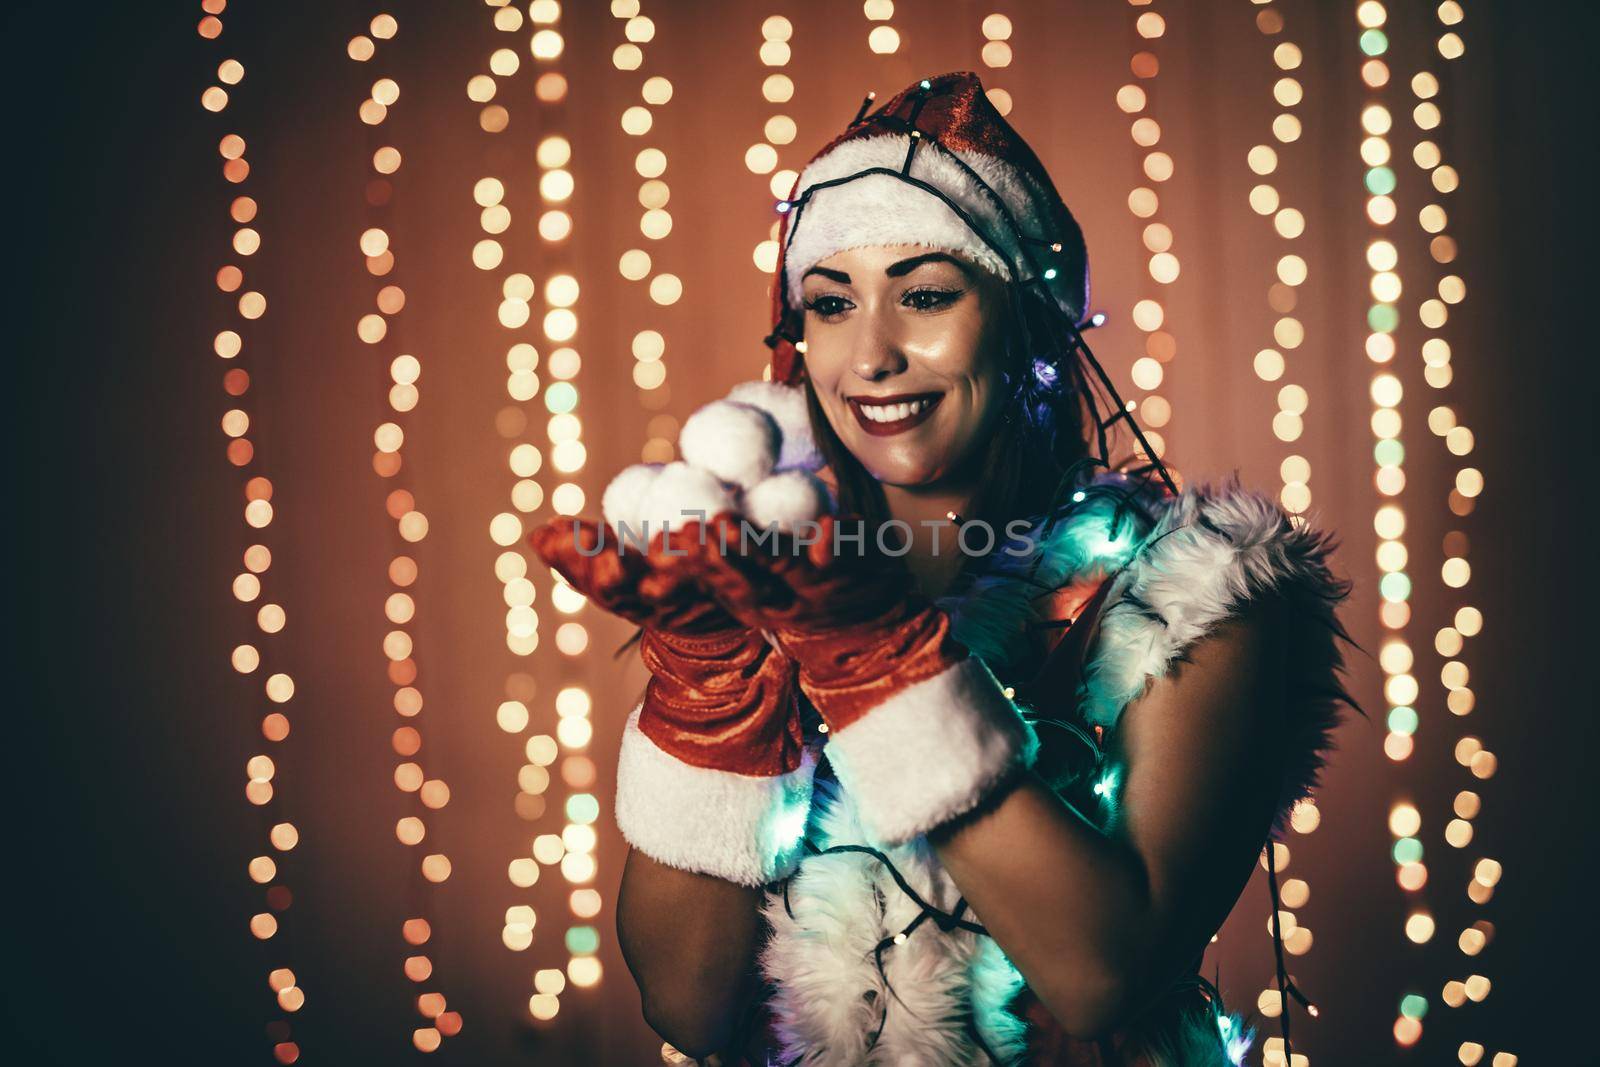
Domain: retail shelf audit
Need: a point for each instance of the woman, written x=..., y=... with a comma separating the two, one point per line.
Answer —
x=981, y=788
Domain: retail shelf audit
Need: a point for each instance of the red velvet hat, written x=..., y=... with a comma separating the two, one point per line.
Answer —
x=936, y=166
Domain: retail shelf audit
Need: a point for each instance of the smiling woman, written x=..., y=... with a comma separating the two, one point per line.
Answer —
x=927, y=326
x=908, y=368
x=1083, y=731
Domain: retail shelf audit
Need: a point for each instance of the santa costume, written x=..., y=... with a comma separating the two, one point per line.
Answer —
x=813, y=757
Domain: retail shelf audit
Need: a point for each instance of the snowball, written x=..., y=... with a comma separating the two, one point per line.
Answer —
x=623, y=499
x=785, y=499
x=736, y=442
x=677, y=493
x=787, y=406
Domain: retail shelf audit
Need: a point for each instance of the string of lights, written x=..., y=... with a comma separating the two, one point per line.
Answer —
x=650, y=163
x=247, y=658
x=996, y=55
x=381, y=330
x=1396, y=656
x=1289, y=224
x=525, y=460
x=883, y=39
x=778, y=130
x=572, y=849
x=1270, y=365
x=1467, y=483
x=1149, y=313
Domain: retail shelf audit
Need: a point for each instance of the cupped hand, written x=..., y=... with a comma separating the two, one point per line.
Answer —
x=784, y=583
x=657, y=587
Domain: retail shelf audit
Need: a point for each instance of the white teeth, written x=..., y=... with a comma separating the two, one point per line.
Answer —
x=893, y=412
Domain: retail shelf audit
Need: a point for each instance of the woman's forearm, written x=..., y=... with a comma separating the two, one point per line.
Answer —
x=1100, y=920
x=691, y=941
x=1063, y=900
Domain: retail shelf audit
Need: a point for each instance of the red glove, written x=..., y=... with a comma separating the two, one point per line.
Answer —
x=713, y=775
x=918, y=728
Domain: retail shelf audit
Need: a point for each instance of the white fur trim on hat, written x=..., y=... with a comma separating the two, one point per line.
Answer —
x=880, y=209
x=742, y=828
x=786, y=499
x=931, y=752
x=736, y=442
x=787, y=406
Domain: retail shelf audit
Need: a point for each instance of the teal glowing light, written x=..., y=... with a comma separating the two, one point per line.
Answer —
x=788, y=827
x=1395, y=587
x=1408, y=850
x=1106, y=785
x=560, y=397
x=583, y=940
x=1389, y=452
x=1403, y=720
x=1383, y=318
x=1236, y=1037
x=1380, y=181
x=926, y=84
x=1092, y=542
x=1413, y=1005
x=1113, y=547
x=1079, y=497
x=583, y=808
x=1374, y=42
x=1049, y=272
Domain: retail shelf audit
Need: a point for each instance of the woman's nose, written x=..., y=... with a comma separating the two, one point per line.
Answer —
x=879, y=355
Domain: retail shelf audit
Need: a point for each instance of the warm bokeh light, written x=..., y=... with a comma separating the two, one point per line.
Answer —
x=1149, y=373
x=383, y=331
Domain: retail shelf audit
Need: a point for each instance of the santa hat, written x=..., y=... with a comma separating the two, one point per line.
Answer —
x=907, y=174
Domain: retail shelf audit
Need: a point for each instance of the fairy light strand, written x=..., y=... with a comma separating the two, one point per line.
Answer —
x=270, y=931
x=1291, y=268
x=996, y=55
x=1466, y=485
x=1149, y=313
x=1270, y=365
x=525, y=460
x=572, y=850
x=778, y=131
x=882, y=38
x=636, y=264
x=381, y=330
x=1396, y=656
x=564, y=431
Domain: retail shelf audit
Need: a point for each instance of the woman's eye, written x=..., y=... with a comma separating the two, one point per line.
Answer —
x=827, y=306
x=928, y=299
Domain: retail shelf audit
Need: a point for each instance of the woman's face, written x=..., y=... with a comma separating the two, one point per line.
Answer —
x=904, y=349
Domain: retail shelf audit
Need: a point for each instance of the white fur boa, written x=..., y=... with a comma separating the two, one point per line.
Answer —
x=1182, y=565
x=830, y=997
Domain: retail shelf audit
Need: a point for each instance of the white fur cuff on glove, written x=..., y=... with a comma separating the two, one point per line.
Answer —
x=737, y=827
x=931, y=752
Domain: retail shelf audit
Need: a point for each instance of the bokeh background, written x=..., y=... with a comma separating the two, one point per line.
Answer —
x=186, y=902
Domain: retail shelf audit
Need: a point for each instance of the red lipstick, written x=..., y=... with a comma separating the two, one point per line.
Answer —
x=922, y=405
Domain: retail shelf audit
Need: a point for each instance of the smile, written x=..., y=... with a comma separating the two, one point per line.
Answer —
x=883, y=415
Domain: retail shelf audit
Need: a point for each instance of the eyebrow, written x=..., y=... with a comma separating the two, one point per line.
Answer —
x=836, y=275
x=906, y=266
x=893, y=270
